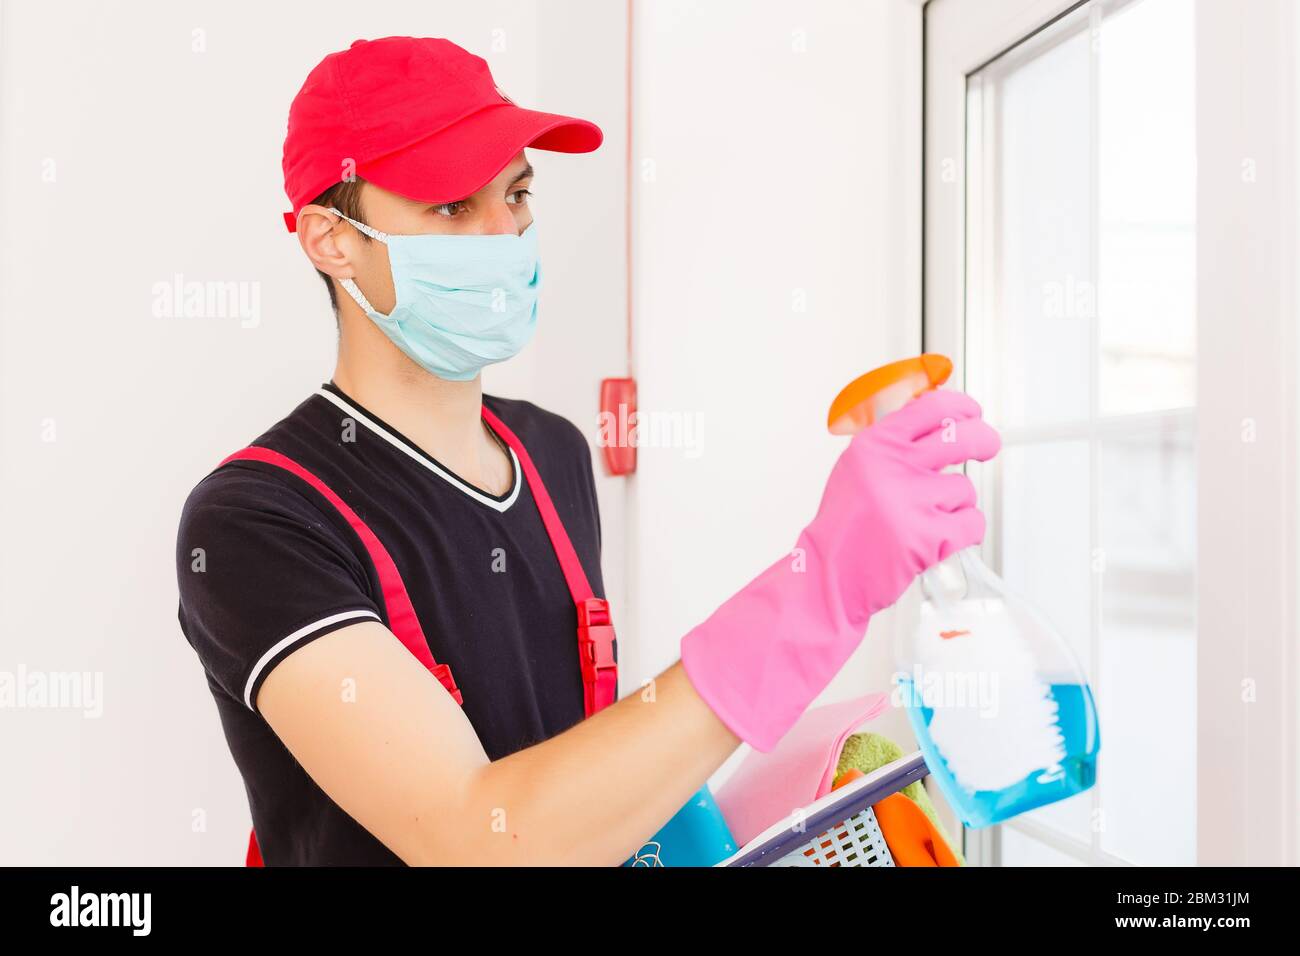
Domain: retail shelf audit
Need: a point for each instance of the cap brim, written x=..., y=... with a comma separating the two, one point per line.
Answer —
x=462, y=159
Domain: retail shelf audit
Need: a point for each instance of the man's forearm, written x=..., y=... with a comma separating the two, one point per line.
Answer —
x=594, y=794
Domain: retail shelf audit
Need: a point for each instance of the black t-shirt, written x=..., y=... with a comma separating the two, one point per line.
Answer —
x=266, y=564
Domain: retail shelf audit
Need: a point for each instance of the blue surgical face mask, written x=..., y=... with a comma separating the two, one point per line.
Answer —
x=463, y=302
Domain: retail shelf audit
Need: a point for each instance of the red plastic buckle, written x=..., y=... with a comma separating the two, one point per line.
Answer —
x=595, y=638
x=443, y=673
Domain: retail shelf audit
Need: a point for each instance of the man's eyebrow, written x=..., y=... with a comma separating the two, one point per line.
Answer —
x=525, y=173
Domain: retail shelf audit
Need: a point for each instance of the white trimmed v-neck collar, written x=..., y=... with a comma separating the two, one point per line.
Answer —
x=416, y=455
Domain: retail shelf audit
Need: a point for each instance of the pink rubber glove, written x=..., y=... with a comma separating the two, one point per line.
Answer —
x=888, y=513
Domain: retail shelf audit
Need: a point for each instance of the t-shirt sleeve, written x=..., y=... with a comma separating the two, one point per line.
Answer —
x=261, y=572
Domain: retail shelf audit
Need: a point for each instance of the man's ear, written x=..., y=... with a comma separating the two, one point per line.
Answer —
x=325, y=241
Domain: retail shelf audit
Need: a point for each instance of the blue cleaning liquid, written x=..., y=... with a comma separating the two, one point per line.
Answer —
x=1075, y=774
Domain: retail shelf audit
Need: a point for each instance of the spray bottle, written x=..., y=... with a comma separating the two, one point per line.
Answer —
x=1000, y=707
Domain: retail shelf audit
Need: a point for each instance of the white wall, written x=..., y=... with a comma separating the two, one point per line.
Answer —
x=777, y=256
x=167, y=161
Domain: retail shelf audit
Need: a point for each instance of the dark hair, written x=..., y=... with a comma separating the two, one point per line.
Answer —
x=346, y=198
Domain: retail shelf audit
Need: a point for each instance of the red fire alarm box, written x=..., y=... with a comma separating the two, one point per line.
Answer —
x=618, y=424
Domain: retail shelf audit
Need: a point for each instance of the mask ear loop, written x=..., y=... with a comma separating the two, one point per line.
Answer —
x=348, y=285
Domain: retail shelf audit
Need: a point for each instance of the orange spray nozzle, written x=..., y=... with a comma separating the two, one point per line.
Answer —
x=870, y=397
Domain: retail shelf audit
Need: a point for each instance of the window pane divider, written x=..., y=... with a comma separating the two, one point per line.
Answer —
x=1080, y=850
x=1101, y=429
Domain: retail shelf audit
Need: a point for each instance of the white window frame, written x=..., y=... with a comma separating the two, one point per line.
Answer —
x=1248, y=522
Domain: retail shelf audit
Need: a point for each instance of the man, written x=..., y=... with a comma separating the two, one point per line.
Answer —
x=390, y=605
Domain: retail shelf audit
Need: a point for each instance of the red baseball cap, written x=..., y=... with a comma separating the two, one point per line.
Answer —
x=418, y=116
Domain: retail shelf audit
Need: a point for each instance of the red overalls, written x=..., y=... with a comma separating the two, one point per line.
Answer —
x=595, y=628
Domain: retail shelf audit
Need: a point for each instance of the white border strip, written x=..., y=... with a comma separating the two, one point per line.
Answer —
x=412, y=453
x=293, y=638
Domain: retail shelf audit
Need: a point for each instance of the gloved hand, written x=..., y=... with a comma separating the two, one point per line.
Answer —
x=888, y=513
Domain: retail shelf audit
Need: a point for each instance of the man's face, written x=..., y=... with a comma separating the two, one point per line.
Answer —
x=338, y=249
x=499, y=208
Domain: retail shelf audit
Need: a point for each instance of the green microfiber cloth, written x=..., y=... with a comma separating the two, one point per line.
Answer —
x=868, y=752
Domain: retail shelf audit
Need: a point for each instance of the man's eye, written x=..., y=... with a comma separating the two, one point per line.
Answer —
x=450, y=209
x=519, y=197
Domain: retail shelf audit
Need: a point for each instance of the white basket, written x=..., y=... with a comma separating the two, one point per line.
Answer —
x=848, y=832
x=855, y=842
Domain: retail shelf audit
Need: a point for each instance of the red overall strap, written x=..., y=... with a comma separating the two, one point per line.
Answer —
x=595, y=626
x=401, y=615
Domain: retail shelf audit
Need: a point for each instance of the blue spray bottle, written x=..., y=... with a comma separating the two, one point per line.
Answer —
x=998, y=702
